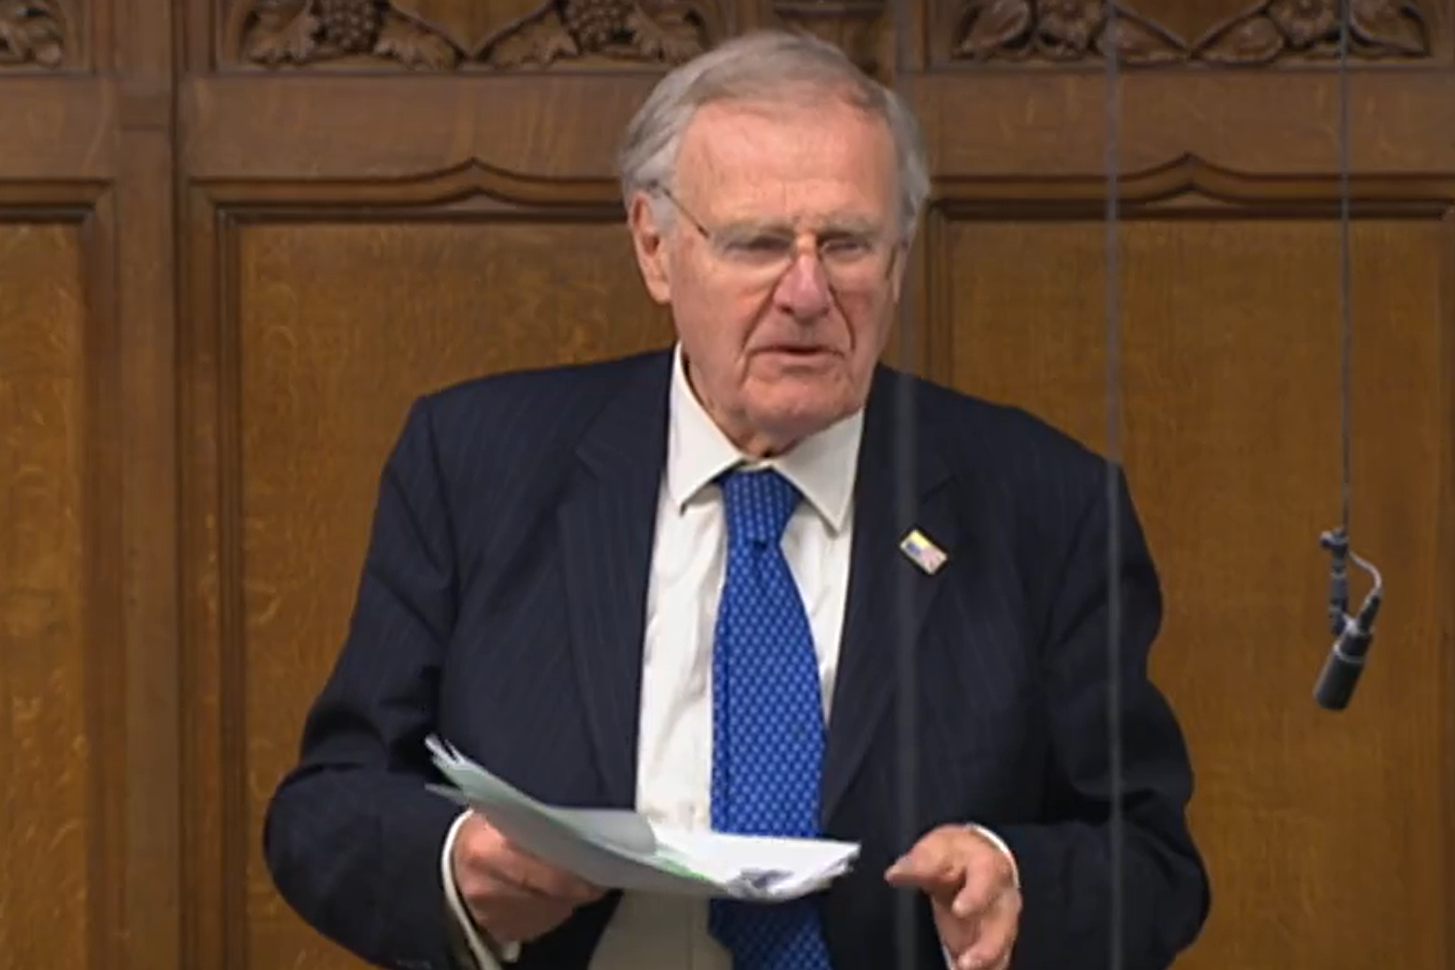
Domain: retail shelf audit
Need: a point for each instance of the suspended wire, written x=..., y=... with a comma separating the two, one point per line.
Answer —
x=906, y=492
x=1111, y=57
x=1346, y=311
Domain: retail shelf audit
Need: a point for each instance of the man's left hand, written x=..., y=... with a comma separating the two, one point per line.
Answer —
x=971, y=886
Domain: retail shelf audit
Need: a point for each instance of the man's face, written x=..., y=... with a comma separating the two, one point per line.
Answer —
x=780, y=265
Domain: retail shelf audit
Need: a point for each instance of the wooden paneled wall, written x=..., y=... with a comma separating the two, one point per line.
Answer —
x=237, y=236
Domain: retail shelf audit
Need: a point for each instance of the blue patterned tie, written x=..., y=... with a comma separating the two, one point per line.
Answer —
x=767, y=719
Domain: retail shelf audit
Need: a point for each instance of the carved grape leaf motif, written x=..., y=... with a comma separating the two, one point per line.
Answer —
x=1396, y=28
x=32, y=32
x=994, y=27
x=444, y=34
x=1072, y=30
x=471, y=27
x=412, y=45
x=281, y=35
x=1311, y=28
x=1061, y=30
x=670, y=40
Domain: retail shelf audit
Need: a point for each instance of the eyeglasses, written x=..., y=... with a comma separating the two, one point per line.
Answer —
x=854, y=258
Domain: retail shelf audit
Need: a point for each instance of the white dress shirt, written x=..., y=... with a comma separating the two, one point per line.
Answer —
x=674, y=754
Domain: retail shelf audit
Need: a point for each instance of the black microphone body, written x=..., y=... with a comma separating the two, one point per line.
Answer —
x=1341, y=671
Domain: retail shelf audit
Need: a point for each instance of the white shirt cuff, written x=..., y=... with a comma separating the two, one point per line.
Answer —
x=999, y=843
x=487, y=956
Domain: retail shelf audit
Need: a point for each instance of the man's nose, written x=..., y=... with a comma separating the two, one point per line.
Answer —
x=804, y=290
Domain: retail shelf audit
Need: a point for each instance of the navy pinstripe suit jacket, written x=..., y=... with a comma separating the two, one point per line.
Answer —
x=501, y=604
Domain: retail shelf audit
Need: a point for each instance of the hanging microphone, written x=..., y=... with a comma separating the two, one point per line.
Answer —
x=1353, y=634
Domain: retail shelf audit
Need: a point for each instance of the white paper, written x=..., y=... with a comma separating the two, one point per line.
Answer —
x=617, y=849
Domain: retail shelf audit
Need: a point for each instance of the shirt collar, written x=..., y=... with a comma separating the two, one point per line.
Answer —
x=820, y=466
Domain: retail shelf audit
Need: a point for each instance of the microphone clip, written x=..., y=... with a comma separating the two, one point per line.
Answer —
x=1336, y=541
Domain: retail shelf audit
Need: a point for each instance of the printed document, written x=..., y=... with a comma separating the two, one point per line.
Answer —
x=618, y=849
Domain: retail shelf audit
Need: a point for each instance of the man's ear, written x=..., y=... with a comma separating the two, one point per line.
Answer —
x=900, y=263
x=650, y=244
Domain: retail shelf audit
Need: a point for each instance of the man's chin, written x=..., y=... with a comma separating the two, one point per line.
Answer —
x=793, y=419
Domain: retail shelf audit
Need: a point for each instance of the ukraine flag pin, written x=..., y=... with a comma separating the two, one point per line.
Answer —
x=922, y=552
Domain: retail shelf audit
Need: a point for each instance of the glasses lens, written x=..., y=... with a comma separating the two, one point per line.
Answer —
x=765, y=262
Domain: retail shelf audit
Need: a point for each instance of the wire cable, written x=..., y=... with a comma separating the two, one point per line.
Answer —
x=1116, y=835
x=906, y=497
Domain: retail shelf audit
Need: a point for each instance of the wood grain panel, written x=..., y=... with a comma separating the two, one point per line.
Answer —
x=336, y=327
x=1047, y=125
x=59, y=125
x=987, y=123
x=1230, y=368
x=87, y=99
x=47, y=747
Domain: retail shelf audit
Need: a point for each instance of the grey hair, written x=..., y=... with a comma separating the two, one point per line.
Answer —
x=757, y=67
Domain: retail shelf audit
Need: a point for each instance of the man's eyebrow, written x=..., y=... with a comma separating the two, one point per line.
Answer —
x=850, y=224
x=834, y=225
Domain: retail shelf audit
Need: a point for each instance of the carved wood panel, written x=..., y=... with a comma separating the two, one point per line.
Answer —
x=1149, y=33
x=41, y=34
x=449, y=34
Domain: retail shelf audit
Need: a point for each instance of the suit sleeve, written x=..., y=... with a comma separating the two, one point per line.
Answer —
x=352, y=837
x=1066, y=861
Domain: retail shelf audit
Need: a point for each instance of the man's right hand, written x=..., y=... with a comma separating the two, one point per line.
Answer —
x=512, y=896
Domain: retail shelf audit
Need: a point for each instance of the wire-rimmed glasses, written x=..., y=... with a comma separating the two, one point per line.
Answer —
x=854, y=257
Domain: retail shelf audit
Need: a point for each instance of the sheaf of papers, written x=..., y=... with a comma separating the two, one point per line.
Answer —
x=617, y=849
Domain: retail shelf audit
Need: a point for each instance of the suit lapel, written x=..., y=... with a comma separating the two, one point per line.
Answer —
x=607, y=523
x=899, y=487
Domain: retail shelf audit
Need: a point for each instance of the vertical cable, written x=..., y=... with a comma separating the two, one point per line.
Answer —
x=1110, y=56
x=1346, y=311
x=906, y=497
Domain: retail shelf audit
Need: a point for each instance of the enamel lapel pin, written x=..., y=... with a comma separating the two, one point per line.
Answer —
x=922, y=552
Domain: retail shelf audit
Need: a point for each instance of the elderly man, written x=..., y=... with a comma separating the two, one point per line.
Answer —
x=756, y=582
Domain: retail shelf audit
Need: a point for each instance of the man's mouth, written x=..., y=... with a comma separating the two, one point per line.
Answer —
x=797, y=351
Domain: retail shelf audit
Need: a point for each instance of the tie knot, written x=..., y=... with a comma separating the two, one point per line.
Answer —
x=759, y=504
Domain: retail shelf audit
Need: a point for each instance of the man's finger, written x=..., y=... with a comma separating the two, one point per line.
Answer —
x=992, y=944
x=956, y=935
x=482, y=848
x=928, y=866
x=500, y=879
x=988, y=874
x=530, y=877
x=976, y=895
x=552, y=882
